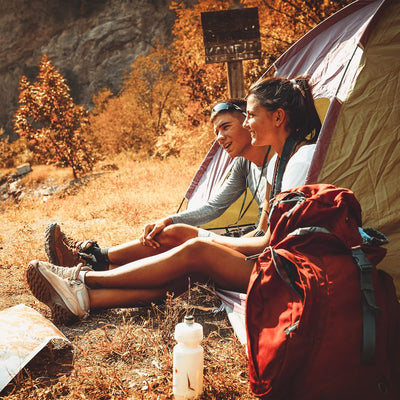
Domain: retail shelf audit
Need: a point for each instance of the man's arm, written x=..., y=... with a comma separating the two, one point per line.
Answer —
x=229, y=192
x=243, y=174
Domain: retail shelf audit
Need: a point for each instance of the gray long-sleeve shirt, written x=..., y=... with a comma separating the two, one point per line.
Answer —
x=243, y=174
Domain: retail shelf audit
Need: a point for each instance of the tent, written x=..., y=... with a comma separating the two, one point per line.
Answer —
x=352, y=59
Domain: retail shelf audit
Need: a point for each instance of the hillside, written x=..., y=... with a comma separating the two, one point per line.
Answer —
x=92, y=43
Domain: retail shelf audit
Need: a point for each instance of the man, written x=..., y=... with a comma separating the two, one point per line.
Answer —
x=248, y=171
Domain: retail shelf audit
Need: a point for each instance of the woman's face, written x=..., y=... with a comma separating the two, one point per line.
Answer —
x=260, y=123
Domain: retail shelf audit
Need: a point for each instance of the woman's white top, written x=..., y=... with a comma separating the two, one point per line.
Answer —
x=296, y=169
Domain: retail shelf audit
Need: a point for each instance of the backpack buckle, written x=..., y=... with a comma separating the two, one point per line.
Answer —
x=361, y=259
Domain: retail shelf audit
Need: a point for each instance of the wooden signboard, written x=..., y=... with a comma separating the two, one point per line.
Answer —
x=231, y=35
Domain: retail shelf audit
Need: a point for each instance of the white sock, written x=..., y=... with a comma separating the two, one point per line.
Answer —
x=81, y=275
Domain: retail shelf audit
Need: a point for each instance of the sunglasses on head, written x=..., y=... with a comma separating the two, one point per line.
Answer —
x=225, y=106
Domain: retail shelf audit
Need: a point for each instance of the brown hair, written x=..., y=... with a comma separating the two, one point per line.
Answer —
x=295, y=97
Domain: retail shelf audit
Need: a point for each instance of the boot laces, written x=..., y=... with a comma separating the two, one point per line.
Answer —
x=75, y=273
x=71, y=244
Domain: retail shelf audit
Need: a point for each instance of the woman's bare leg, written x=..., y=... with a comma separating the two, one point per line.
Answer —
x=226, y=267
x=171, y=236
x=111, y=298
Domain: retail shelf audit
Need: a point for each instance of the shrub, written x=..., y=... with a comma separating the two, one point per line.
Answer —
x=139, y=115
x=14, y=153
x=48, y=118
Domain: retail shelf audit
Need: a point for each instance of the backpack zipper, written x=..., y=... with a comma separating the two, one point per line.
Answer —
x=292, y=328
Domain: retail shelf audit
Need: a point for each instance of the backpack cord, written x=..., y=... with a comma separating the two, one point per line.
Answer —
x=290, y=270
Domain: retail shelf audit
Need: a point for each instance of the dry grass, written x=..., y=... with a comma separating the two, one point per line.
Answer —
x=115, y=354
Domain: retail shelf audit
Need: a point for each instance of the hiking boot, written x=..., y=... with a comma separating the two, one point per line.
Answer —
x=62, y=250
x=60, y=289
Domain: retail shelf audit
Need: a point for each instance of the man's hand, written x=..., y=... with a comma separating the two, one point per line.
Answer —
x=151, y=230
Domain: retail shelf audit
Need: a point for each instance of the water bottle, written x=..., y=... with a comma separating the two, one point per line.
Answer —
x=188, y=360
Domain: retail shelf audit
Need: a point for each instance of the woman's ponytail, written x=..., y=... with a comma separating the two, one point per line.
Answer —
x=307, y=116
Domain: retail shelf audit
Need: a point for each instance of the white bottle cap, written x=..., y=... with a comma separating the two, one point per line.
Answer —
x=189, y=331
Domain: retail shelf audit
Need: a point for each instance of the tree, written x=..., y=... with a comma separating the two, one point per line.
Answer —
x=148, y=103
x=282, y=23
x=52, y=123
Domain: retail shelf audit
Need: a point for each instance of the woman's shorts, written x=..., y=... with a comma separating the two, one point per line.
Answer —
x=203, y=233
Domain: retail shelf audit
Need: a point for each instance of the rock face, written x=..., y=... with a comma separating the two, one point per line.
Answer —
x=91, y=42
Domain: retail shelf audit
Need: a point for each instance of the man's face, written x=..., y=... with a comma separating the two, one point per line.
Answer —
x=231, y=135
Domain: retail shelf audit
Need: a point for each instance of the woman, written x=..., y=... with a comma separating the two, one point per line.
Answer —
x=280, y=113
x=273, y=104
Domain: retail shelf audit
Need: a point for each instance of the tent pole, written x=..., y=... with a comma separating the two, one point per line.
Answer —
x=346, y=69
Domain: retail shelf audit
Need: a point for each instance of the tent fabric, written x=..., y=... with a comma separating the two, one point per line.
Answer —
x=325, y=51
x=234, y=304
x=364, y=151
x=209, y=176
x=208, y=179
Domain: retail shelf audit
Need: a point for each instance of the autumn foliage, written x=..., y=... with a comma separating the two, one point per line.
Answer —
x=52, y=123
x=150, y=103
x=163, y=106
x=167, y=96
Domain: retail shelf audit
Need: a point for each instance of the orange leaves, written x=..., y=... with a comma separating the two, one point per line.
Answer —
x=48, y=116
x=149, y=102
x=282, y=22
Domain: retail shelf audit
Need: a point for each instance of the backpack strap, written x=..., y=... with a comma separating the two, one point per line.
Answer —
x=369, y=307
x=283, y=160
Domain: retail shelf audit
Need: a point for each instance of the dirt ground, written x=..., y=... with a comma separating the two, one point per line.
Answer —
x=117, y=353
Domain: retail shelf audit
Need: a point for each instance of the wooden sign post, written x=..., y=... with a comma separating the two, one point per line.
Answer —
x=232, y=36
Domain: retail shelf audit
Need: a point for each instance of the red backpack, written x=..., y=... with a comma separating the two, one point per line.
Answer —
x=322, y=322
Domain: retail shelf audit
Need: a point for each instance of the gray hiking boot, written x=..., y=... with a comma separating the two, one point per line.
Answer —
x=60, y=289
x=62, y=250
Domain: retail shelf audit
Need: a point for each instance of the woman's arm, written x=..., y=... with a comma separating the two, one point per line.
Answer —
x=245, y=245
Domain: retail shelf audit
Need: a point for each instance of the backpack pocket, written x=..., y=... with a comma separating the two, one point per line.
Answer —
x=278, y=342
